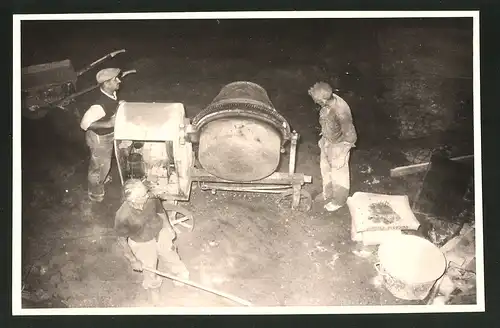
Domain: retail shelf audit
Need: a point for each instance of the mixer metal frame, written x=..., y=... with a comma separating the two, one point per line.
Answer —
x=286, y=184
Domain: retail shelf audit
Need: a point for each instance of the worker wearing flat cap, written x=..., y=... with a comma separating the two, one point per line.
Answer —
x=338, y=136
x=98, y=123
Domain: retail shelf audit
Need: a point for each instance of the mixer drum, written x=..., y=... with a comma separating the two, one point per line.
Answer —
x=241, y=134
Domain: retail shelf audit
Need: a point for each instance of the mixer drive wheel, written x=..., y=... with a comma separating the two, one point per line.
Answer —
x=180, y=218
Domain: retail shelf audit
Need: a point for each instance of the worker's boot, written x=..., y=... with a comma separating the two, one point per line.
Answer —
x=331, y=207
x=96, y=192
x=96, y=198
x=320, y=198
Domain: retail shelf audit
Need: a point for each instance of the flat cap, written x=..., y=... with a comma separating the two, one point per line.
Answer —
x=107, y=74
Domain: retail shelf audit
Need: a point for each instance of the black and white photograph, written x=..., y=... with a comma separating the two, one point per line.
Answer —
x=247, y=163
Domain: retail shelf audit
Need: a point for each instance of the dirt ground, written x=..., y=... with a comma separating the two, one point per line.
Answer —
x=244, y=244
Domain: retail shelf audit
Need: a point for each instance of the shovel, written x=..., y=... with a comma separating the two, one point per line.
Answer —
x=98, y=61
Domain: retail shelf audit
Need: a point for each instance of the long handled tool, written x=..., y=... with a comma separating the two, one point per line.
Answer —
x=100, y=60
x=193, y=284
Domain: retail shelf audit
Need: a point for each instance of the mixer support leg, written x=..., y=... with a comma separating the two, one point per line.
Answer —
x=296, y=196
x=293, y=152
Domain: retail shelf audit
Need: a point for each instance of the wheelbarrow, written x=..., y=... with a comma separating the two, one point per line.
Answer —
x=53, y=85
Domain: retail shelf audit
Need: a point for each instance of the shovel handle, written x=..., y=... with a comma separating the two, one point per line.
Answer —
x=110, y=55
x=114, y=53
x=103, y=58
x=196, y=285
x=128, y=72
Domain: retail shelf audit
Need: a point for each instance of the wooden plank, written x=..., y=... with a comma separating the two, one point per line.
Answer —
x=275, y=178
x=416, y=168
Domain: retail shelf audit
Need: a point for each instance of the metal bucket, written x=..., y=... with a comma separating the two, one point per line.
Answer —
x=241, y=134
x=410, y=266
x=136, y=166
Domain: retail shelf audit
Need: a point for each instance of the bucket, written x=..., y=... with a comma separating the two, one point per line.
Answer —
x=410, y=266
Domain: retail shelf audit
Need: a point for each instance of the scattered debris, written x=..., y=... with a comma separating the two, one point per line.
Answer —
x=418, y=155
x=42, y=270
x=321, y=249
x=460, y=277
x=439, y=231
x=38, y=295
x=441, y=199
x=377, y=281
x=366, y=169
x=331, y=264
x=461, y=249
x=362, y=253
x=372, y=181
x=441, y=300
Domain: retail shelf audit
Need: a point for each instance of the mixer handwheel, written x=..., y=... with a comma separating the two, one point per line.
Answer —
x=181, y=219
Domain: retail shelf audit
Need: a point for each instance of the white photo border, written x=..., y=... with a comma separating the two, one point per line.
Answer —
x=17, y=176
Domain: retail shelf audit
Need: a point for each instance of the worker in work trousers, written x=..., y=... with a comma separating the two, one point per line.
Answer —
x=338, y=136
x=145, y=235
x=98, y=122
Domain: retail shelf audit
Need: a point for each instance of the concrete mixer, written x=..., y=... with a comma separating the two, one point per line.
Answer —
x=241, y=138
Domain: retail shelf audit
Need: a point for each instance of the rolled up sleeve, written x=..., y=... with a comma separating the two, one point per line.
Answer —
x=93, y=114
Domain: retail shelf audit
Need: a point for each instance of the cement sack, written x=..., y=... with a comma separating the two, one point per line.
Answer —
x=376, y=217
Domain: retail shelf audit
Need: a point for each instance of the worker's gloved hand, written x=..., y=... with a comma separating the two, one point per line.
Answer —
x=136, y=265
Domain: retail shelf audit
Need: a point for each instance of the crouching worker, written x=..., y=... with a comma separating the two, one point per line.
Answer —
x=146, y=237
x=338, y=136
